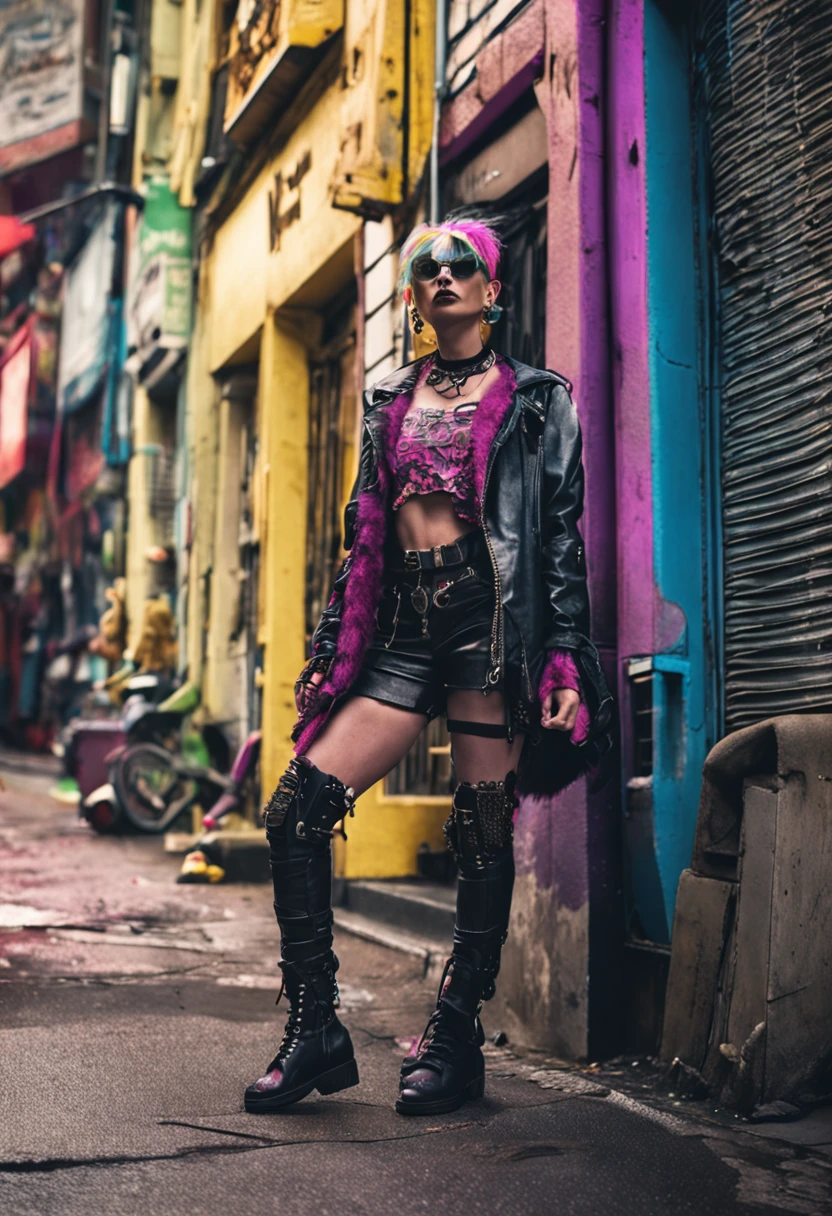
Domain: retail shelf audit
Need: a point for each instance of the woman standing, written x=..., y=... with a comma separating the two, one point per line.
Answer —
x=464, y=593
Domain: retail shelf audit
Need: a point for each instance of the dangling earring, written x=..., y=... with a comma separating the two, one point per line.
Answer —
x=416, y=320
x=491, y=313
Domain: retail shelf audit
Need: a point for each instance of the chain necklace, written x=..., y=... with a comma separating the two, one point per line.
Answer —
x=457, y=372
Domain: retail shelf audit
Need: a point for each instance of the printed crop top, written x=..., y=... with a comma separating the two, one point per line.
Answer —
x=434, y=454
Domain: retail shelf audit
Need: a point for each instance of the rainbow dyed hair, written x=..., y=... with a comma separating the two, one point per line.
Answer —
x=453, y=239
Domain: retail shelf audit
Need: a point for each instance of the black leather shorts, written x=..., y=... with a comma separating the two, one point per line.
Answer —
x=433, y=630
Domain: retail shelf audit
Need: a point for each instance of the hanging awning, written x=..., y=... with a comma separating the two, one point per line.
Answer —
x=13, y=234
x=15, y=377
x=85, y=329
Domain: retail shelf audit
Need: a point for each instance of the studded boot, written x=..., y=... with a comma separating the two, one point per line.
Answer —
x=447, y=1068
x=316, y=1051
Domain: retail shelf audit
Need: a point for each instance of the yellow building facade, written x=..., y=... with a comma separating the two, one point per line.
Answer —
x=278, y=355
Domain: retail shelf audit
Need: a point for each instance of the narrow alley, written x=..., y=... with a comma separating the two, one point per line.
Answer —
x=134, y=1011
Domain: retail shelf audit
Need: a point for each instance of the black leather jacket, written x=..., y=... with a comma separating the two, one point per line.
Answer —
x=532, y=501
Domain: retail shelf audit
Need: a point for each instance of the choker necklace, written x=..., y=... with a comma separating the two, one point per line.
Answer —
x=455, y=373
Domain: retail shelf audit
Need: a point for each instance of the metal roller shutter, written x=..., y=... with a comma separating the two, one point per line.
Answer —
x=762, y=77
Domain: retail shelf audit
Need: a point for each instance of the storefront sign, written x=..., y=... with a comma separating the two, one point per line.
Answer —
x=161, y=289
x=15, y=373
x=41, y=79
x=281, y=215
x=86, y=322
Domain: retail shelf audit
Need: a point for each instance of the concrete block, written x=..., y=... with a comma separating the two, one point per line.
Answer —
x=799, y=1049
x=243, y=855
x=748, y=974
x=704, y=914
x=755, y=994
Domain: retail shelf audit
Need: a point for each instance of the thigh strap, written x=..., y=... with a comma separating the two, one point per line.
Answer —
x=486, y=730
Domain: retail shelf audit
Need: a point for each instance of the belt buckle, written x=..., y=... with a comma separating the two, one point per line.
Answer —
x=411, y=559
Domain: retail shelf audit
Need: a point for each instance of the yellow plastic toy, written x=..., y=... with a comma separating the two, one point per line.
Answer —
x=111, y=639
x=197, y=868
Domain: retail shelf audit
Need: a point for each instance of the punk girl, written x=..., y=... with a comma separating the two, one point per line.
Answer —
x=463, y=593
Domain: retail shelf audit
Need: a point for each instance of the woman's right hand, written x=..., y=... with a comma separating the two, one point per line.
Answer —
x=305, y=687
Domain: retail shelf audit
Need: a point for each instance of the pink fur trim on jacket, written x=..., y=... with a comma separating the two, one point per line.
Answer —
x=363, y=589
x=560, y=672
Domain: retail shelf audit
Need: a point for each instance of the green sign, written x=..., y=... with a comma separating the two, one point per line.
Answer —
x=161, y=295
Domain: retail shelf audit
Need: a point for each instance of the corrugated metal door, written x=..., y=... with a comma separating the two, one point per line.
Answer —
x=762, y=77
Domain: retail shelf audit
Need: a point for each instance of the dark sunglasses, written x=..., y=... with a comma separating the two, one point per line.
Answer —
x=427, y=268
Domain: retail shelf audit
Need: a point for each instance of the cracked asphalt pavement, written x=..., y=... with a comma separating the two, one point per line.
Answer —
x=133, y=1012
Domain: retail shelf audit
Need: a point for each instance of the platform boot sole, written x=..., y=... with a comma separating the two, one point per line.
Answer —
x=332, y=1082
x=472, y=1092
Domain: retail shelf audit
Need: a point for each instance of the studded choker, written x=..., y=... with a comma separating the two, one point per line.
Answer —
x=454, y=373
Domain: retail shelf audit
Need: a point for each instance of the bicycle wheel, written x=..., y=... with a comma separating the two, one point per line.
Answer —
x=151, y=790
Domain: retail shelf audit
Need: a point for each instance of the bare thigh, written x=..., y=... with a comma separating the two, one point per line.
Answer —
x=364, y=740
x=477, y=759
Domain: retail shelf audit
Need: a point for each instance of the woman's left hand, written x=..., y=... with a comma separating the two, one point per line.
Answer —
x=566, y=703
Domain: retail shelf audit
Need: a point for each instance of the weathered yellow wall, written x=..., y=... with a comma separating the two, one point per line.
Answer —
x=250, y=283
x=284, y=392
x=193, y=95
x=202, y=431
x=384, y=837
x=422, y=67
x=321, y=230
x=239, y=260
x=224, y=691
x=151, y=427
x=165, y=38
x=139, y=522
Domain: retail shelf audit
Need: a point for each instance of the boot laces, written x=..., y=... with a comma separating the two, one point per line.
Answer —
x=297, y=1001
x=440, y=1038
x=294, y=1023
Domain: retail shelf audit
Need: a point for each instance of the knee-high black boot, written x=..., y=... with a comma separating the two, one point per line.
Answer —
x=315, y=1051
x=447, y=1068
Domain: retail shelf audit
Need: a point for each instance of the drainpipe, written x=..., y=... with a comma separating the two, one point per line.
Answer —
x=106, y=81
x=438, y=97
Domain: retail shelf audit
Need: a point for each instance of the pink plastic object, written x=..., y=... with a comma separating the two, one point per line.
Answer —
x=224, y=804
x=246, y=756
x=93, y=743
x=244, y=761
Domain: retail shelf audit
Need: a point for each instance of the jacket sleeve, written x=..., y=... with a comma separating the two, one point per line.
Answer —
x=561, y=506
x=564, y=562
x=325, y=637
x=560, y=672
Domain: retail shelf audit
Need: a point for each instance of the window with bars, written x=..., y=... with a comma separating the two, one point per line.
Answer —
x=249, y=550
x=332, y=424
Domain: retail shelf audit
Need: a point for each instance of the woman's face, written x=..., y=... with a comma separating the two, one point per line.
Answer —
x=446, y=300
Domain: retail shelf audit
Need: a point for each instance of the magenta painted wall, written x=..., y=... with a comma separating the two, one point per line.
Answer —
x=567, y=850
x=628, y=296
x=568, y=845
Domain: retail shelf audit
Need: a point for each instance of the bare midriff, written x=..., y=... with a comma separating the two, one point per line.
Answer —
x=427, y=520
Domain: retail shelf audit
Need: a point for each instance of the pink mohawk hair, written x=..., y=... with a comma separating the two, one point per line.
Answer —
x=448, y=240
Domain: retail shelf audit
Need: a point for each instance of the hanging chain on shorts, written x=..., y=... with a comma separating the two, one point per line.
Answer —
x=419, y=600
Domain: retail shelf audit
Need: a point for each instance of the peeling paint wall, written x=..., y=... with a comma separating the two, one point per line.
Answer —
x=558, y=974
x=662, y=557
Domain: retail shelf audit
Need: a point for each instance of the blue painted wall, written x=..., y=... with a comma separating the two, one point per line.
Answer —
x=681, y=731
